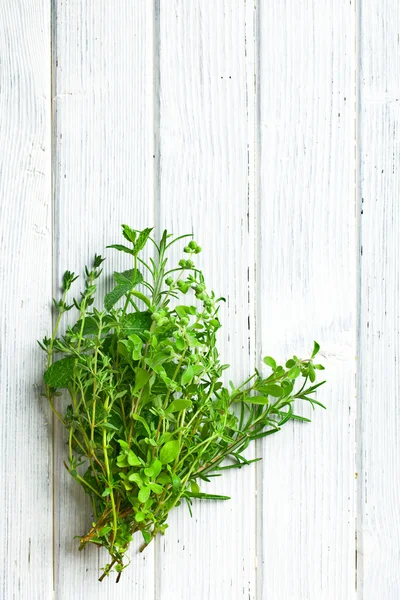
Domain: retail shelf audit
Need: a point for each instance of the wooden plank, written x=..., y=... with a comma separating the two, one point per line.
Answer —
x=307, y=274
x=103, y=169
x=379, y=447
x=207, y=185
x=25, y=276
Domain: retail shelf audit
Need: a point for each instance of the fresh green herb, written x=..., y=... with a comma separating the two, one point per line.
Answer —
x=150, y=419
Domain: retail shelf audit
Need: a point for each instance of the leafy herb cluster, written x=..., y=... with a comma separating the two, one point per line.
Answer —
x=150, y=418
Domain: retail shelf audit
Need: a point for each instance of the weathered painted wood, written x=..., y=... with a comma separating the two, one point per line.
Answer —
x=307, y=277
x=103, y=168
x=25, y=281
x=379, y=213
x=283, y=253
x=207, y=186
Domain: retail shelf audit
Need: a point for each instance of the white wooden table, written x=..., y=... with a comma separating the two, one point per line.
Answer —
x=270, y=130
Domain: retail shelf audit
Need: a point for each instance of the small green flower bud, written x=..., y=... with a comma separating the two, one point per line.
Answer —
x=183, y=286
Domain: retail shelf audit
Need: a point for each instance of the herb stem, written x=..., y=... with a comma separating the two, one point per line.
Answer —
x=110, y=485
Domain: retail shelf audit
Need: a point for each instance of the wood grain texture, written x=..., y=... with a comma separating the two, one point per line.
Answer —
x=207, y=183
x=25, y=267
x=379, y=186
x=103, y=168
x=236, y=121
x=307, y=279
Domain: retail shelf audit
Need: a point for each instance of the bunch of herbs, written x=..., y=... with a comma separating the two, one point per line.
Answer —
x=150, y=419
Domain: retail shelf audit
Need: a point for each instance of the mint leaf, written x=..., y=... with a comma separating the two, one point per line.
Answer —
x=121, y=248
x=142, y=239
x=130, y=276
x=136, y=322
x=60, y=373
x=116, y=294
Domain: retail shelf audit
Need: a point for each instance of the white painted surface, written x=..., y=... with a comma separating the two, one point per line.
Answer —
x=25, y=233
x=379, y=208
x=236, y=121
x=307, y=277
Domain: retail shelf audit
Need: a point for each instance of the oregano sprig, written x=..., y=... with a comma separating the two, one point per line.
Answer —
x=149, y=418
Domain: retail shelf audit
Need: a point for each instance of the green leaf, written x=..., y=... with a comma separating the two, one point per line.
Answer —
x=146, y=536
x=136, y=322
x=140, y=516
x=256, y=399
x=116, y=294
x=272, y=390
x=202, y=496
x=128, y=233
x=158, y=359
x=132, y=276
x=258, y=436
x=133, y=460
x=122, y=460
x=156, y=488
x=141, y=297
x=156, y=466
x=180, y=342
x=135, y=477
x=104, y=531
x=90, y=326
x=60, y=373
x=164, y=478
x=195, y=487
x=270, y=362
x=142, y=239
x=121, y=248
x=154, y=469
x=193, y=341
x=294, y=373
x=144, y=494
x=315, y=350
x=299, y=418
x=110, y=426
x=285, y=415
x=178, y=405
x=187, y=375
x=169, y=452
x=312, y=401
x=143, y=421
x=141, y=378
x=176, y=483
x=181, y=311
x=287, y=387
x=312, y=389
